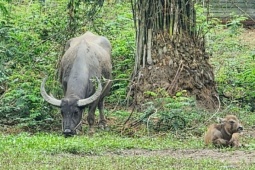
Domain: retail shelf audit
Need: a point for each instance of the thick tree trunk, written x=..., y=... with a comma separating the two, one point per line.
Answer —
x=170, y=54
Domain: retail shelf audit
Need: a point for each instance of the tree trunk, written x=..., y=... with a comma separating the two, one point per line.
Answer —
x=170, y=53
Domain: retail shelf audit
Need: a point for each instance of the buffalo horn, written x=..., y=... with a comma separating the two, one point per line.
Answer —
x=84, y=102
x=49, y=99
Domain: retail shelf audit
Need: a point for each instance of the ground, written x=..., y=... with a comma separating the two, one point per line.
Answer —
x=248, y=37
x=235, y=158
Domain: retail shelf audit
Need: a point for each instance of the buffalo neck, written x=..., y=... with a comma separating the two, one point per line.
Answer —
x=85, y=66
x=226, y=134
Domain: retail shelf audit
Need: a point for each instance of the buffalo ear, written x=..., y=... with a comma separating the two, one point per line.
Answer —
x=222, y=120
x=232, y=121
x=68, y=44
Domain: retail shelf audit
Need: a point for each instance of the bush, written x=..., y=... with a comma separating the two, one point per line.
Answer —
x=29, y=50
x=233, y=62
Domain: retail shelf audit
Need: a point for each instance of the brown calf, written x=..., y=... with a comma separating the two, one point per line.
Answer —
x=224, y=134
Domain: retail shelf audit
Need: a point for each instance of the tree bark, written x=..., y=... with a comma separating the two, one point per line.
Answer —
x=170, y=53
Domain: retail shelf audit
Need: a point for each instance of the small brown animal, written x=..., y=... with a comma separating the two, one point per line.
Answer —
x=224, y=134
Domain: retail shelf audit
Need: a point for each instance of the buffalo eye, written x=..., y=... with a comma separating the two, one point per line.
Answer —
x=76, y=112
x=231, y=121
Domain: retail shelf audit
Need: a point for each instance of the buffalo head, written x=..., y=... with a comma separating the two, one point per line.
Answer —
x=71, y=108
x=231, y=124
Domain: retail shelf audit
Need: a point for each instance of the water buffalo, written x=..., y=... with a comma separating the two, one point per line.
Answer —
x=224, y=134
x=86, y=57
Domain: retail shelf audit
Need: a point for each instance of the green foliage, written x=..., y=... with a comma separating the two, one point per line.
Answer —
x=203, y=24
x=235, y=25
x=232, y=59
x=3, y=9
x=233, y=62
x=26, y=52
x=171, y=113
x=150, y=94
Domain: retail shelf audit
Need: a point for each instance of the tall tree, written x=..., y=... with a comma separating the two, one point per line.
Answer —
x=170, y=52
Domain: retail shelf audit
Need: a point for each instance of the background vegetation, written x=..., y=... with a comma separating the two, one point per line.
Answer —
x=33, y=34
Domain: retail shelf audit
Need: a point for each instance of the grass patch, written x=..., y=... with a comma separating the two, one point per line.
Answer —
x=99, y=143
x=66, y=161
x=107, y=150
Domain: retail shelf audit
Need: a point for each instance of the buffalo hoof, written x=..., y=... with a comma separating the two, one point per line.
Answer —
x=103, y=127
x=91, y=131
x=102, y=124
x=68, y=135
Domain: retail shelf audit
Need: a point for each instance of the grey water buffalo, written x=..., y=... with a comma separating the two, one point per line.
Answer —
x=86, y=58
x=226, y=133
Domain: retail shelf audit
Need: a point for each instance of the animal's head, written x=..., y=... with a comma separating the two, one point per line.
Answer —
x=71, y=108
x=71, y=115
x=231, y=124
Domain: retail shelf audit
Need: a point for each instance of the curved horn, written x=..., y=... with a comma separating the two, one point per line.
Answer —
x=48, y=98
x=92, y=98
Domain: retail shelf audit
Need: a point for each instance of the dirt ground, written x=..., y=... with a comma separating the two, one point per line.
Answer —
x=248, y=37
x=235, y=157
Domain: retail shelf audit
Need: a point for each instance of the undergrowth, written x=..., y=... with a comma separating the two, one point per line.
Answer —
x=234, y=64
x=170, y=114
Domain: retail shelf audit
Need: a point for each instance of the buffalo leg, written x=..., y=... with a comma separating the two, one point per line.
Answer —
x=91, y=118
x=234, y=141
x=102, y=120
x=221, y=142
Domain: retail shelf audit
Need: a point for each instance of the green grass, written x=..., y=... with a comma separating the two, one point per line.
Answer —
x=45, y=161
x=99, y=143
x=102, y=151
